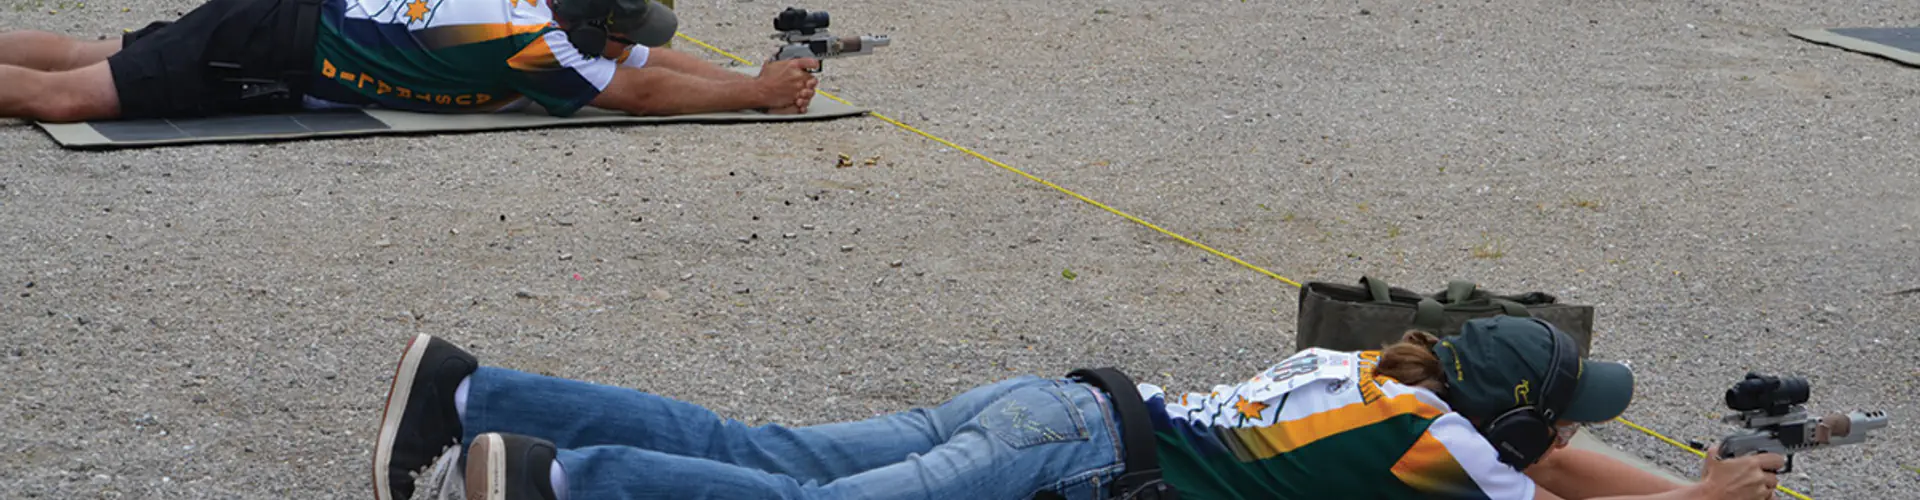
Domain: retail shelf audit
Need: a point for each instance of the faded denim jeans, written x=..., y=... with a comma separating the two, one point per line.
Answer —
x=1007, y=440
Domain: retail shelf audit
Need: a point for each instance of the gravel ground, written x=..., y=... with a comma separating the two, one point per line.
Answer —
x=221, y=321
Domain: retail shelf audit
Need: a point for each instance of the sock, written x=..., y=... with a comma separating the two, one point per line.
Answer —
x=559, y=479
x=460, y=398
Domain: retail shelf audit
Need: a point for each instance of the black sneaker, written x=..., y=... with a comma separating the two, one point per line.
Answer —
x=510, y=467
x=420, y=422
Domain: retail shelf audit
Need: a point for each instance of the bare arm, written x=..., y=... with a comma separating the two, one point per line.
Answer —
x=1684, y=493
x=664, y=92
x=1577, y=474
x=686, y=63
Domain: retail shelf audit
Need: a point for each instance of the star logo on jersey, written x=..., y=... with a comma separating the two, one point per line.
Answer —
x=1250, y=410
x=417, y=10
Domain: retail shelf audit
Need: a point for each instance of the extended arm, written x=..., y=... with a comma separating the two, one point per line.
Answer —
x=1684, y=493
x=782, y=87
x=1733, y=479
x=664, y=92
x=686, y=63
x=1577, y=474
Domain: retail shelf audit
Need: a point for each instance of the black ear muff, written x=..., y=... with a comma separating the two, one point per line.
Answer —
x=1520, y=436
x=589, y=38
x=1525, y=433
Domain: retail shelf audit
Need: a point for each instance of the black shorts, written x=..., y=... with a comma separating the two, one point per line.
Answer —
x=168, y=69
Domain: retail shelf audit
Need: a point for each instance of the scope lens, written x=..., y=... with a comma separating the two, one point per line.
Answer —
x=1767, y=392
x=796, y=20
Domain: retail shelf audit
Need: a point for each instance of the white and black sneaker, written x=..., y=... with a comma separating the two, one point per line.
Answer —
x=510, y=467
x=420, y=422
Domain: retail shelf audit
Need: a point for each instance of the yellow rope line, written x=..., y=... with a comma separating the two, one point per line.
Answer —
x=997, y=163
x=1130, y=217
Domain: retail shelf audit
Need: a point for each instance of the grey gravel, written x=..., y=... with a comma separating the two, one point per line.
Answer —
x=221, y=321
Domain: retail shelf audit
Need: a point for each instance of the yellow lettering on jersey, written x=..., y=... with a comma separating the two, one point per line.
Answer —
x=1369, y=387
x=381, y=87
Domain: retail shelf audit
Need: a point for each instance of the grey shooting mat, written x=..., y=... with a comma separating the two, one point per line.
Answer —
x=124, y=134
x=1898, y=44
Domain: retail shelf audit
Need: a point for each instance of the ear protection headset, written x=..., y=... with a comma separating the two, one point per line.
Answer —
x=1524, y=433
x=588, y=32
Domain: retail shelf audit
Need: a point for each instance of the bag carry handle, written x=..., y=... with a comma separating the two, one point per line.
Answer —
x=1378, y=289
x=1513, y=308
x=1429, y=315
x=1459, y=291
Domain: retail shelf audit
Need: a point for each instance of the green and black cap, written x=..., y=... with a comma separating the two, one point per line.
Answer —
x=1498, y=363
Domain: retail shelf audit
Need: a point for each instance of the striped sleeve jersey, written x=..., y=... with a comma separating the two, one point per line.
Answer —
x=1321, y=424
x=454, y=56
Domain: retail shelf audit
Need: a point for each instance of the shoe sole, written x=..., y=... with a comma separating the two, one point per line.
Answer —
x=489, y=456
x=390, y=417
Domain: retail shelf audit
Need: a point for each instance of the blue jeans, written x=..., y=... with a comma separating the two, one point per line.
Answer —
x=1007, y=440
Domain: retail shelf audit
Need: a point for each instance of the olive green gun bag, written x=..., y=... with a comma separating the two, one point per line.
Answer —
x=1372, y=314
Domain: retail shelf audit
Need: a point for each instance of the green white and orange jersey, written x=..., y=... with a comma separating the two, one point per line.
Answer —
x=1321, y=424
x=454, y=56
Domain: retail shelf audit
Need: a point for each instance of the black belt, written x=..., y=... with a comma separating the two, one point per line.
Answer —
x=1141, y=480
x=282, y=87
x=298, y=69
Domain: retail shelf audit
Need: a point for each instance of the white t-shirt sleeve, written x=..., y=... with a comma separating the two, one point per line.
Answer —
x=636, y=57
x=552, y=72
x=1453, y=461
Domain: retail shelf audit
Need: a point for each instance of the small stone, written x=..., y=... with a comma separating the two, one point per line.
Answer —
x=383, y=243
x=524, y=293
x=789, y=236
x=658, y=294
x=808, y=227
x=743, y=291
x=685, y=277
x=744, y=239
x=846, y=248
x=566, y=256
x=896, y=263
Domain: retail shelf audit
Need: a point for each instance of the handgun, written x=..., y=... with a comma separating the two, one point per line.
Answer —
x=805, y=35
x=1773, y=418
